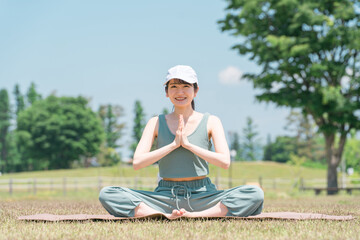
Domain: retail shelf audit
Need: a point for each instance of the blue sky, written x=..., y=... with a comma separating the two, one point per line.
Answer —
x=115, y=52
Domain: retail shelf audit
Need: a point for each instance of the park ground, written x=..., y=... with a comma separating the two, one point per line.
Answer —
x=11, y=228
x=86, y=202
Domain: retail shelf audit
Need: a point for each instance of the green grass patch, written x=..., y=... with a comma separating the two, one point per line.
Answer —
x=240, y=170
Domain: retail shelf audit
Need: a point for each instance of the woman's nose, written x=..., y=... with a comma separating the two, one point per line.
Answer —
x=180, y=90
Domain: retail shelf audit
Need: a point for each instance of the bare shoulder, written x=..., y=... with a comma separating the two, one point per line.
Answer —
x=153, y=124
x=214, y=126
x=214, y=120
x=153, y=120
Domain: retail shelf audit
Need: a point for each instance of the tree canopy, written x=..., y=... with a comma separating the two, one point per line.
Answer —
x=308, y=51
x=59, y=130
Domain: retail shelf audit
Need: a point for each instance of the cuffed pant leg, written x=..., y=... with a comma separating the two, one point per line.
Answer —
x=118, y=202
x=244, y=201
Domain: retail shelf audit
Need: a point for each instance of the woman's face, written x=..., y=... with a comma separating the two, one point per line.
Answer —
x=180, y=94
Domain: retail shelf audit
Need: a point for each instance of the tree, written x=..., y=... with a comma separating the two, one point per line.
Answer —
x=352, y=153
x=32, y=94
x=60, y=130
x=19, y=98
x=235, y=145
x=303, y=127
x=307, y=140
x=5, y=116
x=110, y=115
x=13, y=157
x=139, y=125
x=250, y=142
x=281, y=149
x=268, y=149
x=22, y=162
x=308, y=52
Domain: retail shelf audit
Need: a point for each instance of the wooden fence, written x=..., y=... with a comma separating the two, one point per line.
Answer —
x=66, y=184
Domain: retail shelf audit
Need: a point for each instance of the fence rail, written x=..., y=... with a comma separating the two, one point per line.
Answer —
x=65, y=184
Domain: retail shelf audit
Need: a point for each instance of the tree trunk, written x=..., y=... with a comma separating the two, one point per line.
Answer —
x=333, y=157
x=332, y=179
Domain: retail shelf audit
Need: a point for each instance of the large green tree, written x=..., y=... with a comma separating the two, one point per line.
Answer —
x=308, y=51
x=60, y=130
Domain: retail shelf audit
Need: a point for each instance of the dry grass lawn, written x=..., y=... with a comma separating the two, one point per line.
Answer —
x=11, y=228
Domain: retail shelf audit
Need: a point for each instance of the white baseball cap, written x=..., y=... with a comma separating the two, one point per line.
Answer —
x=183, y=72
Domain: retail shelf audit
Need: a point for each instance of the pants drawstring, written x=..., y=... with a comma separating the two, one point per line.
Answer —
x=187, y=195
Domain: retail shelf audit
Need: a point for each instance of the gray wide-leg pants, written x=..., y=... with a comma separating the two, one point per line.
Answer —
x=194, y=196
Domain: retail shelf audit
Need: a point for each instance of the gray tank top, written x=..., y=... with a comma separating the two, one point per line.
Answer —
x=181, y=162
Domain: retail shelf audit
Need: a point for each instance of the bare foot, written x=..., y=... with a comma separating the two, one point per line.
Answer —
x=176, y=214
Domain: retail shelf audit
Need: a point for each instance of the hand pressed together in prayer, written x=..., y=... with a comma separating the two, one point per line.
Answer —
x=181, y=138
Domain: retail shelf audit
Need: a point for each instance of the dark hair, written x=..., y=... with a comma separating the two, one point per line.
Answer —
x=183, y=82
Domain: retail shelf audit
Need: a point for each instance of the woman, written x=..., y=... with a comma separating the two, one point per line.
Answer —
x=183, y=152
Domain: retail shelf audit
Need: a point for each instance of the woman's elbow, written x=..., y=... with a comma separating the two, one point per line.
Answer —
x=136, y=164
x=226, y=165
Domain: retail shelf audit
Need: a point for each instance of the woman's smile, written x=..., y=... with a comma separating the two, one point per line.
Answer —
x=180, y=99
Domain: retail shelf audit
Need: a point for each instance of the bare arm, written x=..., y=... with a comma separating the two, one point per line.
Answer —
x=221, y=156
x=142, y=156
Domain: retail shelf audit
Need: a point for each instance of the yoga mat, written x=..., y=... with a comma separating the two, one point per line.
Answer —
x=270, y=215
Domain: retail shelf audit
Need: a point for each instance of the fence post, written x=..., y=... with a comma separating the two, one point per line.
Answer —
x=64, y=186
x=10, y=186
x=75, y=183
x=301, y=184
x=34, y=186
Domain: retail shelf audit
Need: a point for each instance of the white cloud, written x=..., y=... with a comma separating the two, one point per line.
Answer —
x=230, y=76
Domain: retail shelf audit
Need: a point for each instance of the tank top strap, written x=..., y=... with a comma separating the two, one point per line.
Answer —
x=205, y=118
x=202, y=128
x=163, y=128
